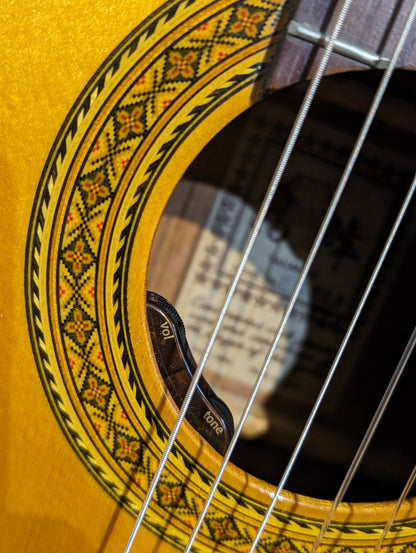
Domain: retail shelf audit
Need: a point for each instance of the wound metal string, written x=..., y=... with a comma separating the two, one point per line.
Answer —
x=357, y=147
x=373, y=425
x=335, y=363
x=281, y=166
x=411, y=480
x=259, y=221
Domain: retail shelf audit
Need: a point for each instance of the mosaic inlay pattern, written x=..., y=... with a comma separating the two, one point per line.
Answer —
x=132, y=103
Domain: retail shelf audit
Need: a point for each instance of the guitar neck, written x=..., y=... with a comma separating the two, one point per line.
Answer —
x=366, y=41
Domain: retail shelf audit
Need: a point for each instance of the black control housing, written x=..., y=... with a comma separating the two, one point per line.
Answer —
x=207, y=413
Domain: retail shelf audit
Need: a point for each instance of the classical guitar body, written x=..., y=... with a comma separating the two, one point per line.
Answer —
x=103, y=109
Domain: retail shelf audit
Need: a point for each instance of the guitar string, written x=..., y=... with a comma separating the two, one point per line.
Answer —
x=335, y=363
x=406, y=354
x=287, y=151
x=367, y=438
x=411, y=480
x=282, y=324
x=370, y=116
x=285, y=317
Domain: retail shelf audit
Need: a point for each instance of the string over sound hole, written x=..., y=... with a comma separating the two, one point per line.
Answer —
x=245, y=154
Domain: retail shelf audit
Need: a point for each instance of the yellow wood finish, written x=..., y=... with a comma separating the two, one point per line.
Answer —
x=84, y=415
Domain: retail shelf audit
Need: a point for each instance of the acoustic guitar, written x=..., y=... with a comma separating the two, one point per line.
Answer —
x=104, y=106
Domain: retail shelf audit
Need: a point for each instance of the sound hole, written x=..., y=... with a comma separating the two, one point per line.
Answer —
x=213, y=205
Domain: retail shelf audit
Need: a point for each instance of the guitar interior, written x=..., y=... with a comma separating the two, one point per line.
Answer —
x=220, y=192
